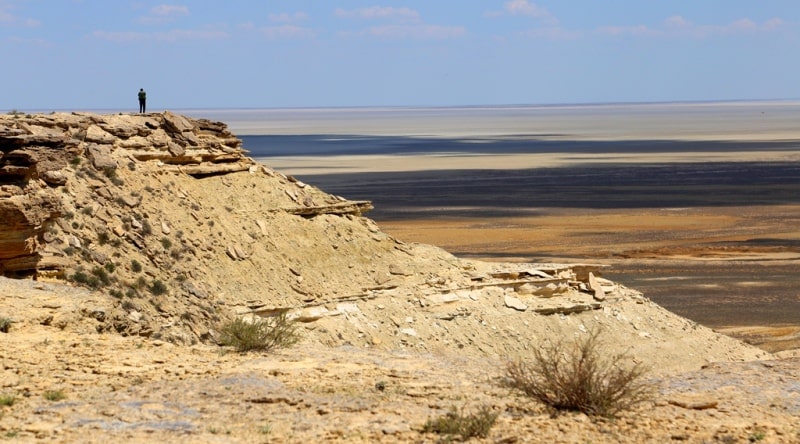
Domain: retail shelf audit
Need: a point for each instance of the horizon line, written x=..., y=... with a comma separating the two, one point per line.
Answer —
x=355, y=107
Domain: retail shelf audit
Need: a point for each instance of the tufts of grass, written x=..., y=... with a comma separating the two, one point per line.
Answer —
x=461, y=424
x=7, y=400
x=261, y=334
x=580, y=378
x=54, y=395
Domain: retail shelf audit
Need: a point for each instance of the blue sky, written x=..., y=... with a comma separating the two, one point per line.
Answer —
x=96, y=54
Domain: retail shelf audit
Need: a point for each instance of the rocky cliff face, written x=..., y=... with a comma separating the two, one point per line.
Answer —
x=176, y=230
x=38, y=154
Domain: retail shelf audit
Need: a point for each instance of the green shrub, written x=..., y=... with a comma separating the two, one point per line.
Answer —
x=464, y=425
x=262, y=334
x=157, y=287
x=7, y=400
x=166, y=243
x=5, y=325
x=136, y=266
x=578, y=378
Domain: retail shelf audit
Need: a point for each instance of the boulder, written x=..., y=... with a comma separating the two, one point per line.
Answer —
x=101, y=156
x=98, y=135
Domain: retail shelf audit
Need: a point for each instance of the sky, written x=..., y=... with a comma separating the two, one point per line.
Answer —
x=201, y=54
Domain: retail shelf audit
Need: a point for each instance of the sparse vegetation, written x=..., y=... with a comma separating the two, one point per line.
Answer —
x=7, y=400
x=261, y=334
x=5, y=325
x=136, y=266
x=578, y=378
x=54, y=395
x=166, y=243
x=458, y=423
x=111, y=173
x=147, y=229
x=140, y=283
x=97, y=278
x=157, y=287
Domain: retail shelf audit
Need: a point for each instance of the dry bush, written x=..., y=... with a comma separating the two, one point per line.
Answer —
x=5, y=325
x=261, y=334
x=580, y=377
x=464, y=425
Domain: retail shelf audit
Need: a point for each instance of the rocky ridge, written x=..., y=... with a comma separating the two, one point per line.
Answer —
x=168, y=218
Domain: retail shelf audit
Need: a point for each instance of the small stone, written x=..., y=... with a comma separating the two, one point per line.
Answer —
x=118, y=230
x=516, y=304
x=231, y=251
x=165, y=228
x=74, y=242
x=54, y=177
x=130, y=201
x=409, y=332
x=594, y=285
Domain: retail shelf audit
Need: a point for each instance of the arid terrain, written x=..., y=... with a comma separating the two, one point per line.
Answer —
x=132, y=239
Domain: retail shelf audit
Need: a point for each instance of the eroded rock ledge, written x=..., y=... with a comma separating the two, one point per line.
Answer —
x=40, y=153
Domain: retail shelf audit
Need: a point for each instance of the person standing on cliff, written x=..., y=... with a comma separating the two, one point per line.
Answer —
x=142, y=100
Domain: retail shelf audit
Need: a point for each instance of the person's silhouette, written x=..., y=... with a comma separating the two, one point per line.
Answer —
x=142, y=100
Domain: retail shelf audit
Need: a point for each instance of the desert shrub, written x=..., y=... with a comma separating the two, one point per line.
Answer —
x=102, y=277
x=580, y=378
x=5, y=325
x=111, y=173
x=7, y=400
x=261, y=334
x=54, y=395
x=464, y=425
x=136, y=266
x=140, y=283
x=166, y=243
x=147, y=229
x=157, y=287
